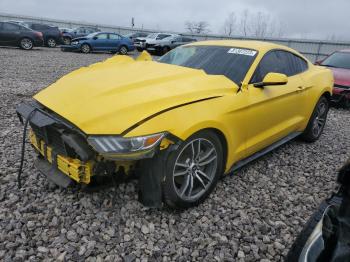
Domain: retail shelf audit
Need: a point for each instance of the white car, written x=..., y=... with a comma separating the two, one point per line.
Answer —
x=141, y=43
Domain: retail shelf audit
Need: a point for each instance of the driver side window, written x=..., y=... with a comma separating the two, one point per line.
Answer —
x=272, y=62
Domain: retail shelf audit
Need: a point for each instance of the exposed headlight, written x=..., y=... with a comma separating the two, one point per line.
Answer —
x=75, y=42
x=115, y=147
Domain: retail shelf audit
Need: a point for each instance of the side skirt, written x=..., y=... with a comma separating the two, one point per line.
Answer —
x=263, y=152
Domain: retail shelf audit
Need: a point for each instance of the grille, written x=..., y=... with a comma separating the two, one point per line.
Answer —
x=52, y=137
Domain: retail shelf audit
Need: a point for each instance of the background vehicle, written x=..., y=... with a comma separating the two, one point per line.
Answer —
x=78, y=32
x=163, y=46
x=52, y=35
x=339, y=63
x=202, y=110
x=12, y=34
x=141, y=43
x=101, y=41
x=135, y=35
x=326, y=236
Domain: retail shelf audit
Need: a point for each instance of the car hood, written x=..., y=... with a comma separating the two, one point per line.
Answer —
x=111, y=96
x=341, y=76
x=79, y=38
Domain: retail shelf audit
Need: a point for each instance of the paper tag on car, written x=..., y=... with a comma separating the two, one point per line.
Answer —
x=240, y=51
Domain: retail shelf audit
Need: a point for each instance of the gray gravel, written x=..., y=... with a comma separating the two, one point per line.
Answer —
x=252, y=216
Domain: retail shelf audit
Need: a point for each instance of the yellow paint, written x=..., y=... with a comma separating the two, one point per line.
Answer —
x=111, y=96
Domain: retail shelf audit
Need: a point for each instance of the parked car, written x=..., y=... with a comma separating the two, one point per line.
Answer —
x=161, y=47
x=64, y=29
x=141, y=43
x=52, y=35
x=12, y=34
x=135, y=35
x=202, y=110
x=339, y=63
x=78, y=32
x=101, y=41
x=326, y=236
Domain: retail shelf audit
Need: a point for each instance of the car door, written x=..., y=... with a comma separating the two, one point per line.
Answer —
x=274, y=111
x=177, y=41
x=10, y=34
x=114, y=42
x=100, y=42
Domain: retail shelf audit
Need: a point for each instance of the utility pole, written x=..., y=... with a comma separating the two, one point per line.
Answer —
x=132, y=22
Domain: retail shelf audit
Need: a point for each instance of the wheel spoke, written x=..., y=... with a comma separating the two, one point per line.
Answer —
x=193, y=151
x=200, y=180
x=204, y=175
x=181, y=173
x=199, y=149
x=181, y=164
x=204, y=163
x=206, y=155
x=191, y=187
x=187, y=183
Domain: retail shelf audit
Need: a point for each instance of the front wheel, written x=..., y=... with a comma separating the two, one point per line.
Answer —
x=85, y=48
x=26, y=44
x=317, y=121
x=67, y=40
x=193, y=170
x=123, y=50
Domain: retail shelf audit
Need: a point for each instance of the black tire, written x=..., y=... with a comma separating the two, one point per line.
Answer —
x=169, y=187
x=67, y=40
x=139, y=49
x=346, y=103
x=165, y=50
x=317, y=121
x=85, y=48
x=26, y=43
x=51, y=42
x=123, y=50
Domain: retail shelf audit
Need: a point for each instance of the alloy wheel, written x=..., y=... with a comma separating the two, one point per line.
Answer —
x=123, y=50
x=195, y=169
x=26, y=44
x=51, y=42
x=85, y=48
x=320, y=119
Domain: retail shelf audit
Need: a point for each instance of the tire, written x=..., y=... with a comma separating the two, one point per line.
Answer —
x=67, y=40
x=139, y=49
x=189, y=180
x=51, y=42
x=123, y=50
x=346, y=103
x=165, y=50
x=317, y=121
x=85, y=48
x=26, y=43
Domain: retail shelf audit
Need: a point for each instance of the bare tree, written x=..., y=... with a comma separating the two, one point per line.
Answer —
x=244, y=21
x=230, y=24
x=200, y=27
x=261, y=25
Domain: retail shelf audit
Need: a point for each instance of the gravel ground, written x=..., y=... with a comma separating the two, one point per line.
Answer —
x=252, y=216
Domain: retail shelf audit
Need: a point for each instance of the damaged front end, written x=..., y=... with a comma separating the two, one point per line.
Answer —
x=67, y=155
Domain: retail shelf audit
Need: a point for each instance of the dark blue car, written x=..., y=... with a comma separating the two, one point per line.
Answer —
x=101, y=42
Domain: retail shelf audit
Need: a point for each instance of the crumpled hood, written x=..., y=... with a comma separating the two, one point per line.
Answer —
x=110, y=97
x=79, y=38
x=341, y=76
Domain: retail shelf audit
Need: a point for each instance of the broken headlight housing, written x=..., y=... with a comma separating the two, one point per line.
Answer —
x=117, y=147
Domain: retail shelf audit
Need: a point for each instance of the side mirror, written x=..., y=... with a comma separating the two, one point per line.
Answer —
x=319, y=62
x=75, y=32
x=95, y=37
x=173, y=41
x=272, y=79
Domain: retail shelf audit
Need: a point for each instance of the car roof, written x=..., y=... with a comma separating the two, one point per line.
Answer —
x=344, y=51
x=250, y=44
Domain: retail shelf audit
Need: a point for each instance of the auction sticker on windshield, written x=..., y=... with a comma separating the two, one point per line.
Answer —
x=240, y=51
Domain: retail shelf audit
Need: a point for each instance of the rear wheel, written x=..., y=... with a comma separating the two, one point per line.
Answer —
x=193, y=170
x=123, y=50
x=26, y=43
x=85, y=48
x=346, y=103
x=51, y=42
x=317, y=121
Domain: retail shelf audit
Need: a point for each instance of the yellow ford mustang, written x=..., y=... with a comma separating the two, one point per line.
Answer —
x=179, y=123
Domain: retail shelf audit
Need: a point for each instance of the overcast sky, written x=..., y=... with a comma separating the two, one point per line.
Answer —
x=319, y=19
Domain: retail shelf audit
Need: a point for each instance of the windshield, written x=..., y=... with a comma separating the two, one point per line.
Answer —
x=154, y=35
x=92, y=35
x=338, y=59
x=214, y=60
